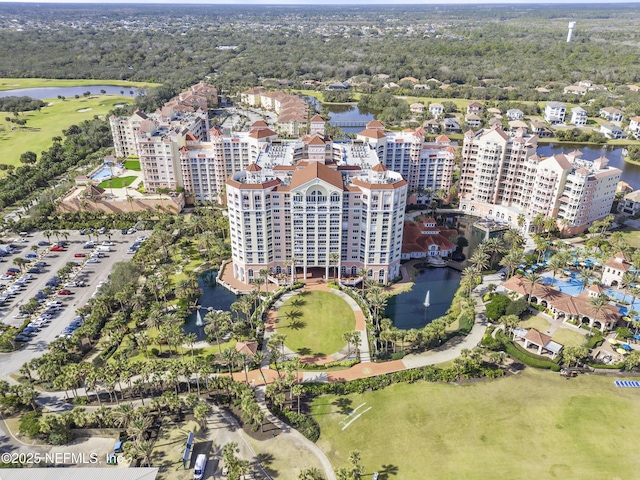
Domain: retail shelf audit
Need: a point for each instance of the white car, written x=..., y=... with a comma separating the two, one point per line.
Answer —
x=70, y=285
x=23, y=240
x=107, y=244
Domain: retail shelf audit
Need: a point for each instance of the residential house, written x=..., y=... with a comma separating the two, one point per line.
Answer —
x=612, y=131
x=634, y=126
x=515, y=114
x=436, y=110
x=473, y=121
x=431, y=126
x=575, y=89
x=451, y=125
x=630, y=205
x=555, y=113
x=417, y=108
x=541, y=130
x=612, y=114
x=578, y=116
x=474, y=108
x=340, y=86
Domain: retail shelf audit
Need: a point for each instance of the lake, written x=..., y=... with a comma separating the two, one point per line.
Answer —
x=68, y=92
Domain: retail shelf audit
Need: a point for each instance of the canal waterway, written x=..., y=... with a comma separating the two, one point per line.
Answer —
x=42, y=93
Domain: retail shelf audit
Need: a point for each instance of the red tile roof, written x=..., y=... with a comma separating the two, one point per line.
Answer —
x=316, y=170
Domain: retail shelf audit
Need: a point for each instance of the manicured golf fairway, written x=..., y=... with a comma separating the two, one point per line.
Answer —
x=49, y=122
x=314, y=323
x=530, y=426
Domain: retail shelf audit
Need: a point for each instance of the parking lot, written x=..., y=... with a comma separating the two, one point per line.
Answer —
x=88, y=274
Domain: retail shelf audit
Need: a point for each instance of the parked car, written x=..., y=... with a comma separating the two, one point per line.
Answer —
x=31, y=255
x=89, y=245
x=40, y=264
x=124, y=231
x=13, y=269
x=64, y=291
x=22, y=338
x=34, y=270
x=70, y=284
x=102, y=230
x=93, y=260
x=79, y=255
x=56, y=248
x=23, y=240
x=43, y=243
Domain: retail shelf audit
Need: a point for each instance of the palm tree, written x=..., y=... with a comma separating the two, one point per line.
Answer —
x=587, y=274
x=334, y=258
x=511, y=261
x=310, y=474
x=191, y=338
x=297, y=392
x=264, y=273
x=201, y=412
x=514, y=238
x=533, y=279
x=217, y=323
x=628, y=279
x=556, y=265
x=596, y=305
x=480, y=260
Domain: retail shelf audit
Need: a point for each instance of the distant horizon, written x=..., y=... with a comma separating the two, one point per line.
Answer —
x=301, y=3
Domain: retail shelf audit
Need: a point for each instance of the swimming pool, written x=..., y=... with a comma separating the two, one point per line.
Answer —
x=106, y=172
x=572, y=286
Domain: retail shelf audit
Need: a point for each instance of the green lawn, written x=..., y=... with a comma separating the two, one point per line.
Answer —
x=15, y=83
x=632, y=237
x=314, y=323
x=132, y=165
x=118, y=182
x=528, y=426
x=534, y=321
x=49, y=122
x=568, y=338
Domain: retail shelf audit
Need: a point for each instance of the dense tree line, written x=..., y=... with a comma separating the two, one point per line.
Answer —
x=20, y=104
x=240, y=45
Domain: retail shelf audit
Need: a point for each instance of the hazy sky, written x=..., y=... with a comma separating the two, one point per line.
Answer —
x=339, y=2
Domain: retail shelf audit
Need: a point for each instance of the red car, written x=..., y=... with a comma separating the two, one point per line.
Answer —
x=64, y=292
x=11, y=274
x=56, y=248
x=79, y=255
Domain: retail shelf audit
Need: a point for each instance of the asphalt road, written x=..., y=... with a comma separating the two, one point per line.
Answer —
x=89, y=273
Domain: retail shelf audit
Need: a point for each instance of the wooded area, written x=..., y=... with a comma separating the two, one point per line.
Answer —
x=475, y=46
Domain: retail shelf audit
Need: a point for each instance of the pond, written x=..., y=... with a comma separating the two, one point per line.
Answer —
x=69, y=92
x=407, y=309
x=630, y=172
x=214, y=296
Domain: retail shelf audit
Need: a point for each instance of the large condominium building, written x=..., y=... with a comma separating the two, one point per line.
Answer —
x=157, y=139
x=501, y=176
x=425, y=166
x=178, y=150
x=313, y=203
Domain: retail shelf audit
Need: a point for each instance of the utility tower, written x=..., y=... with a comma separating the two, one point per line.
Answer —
x=572, y=25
